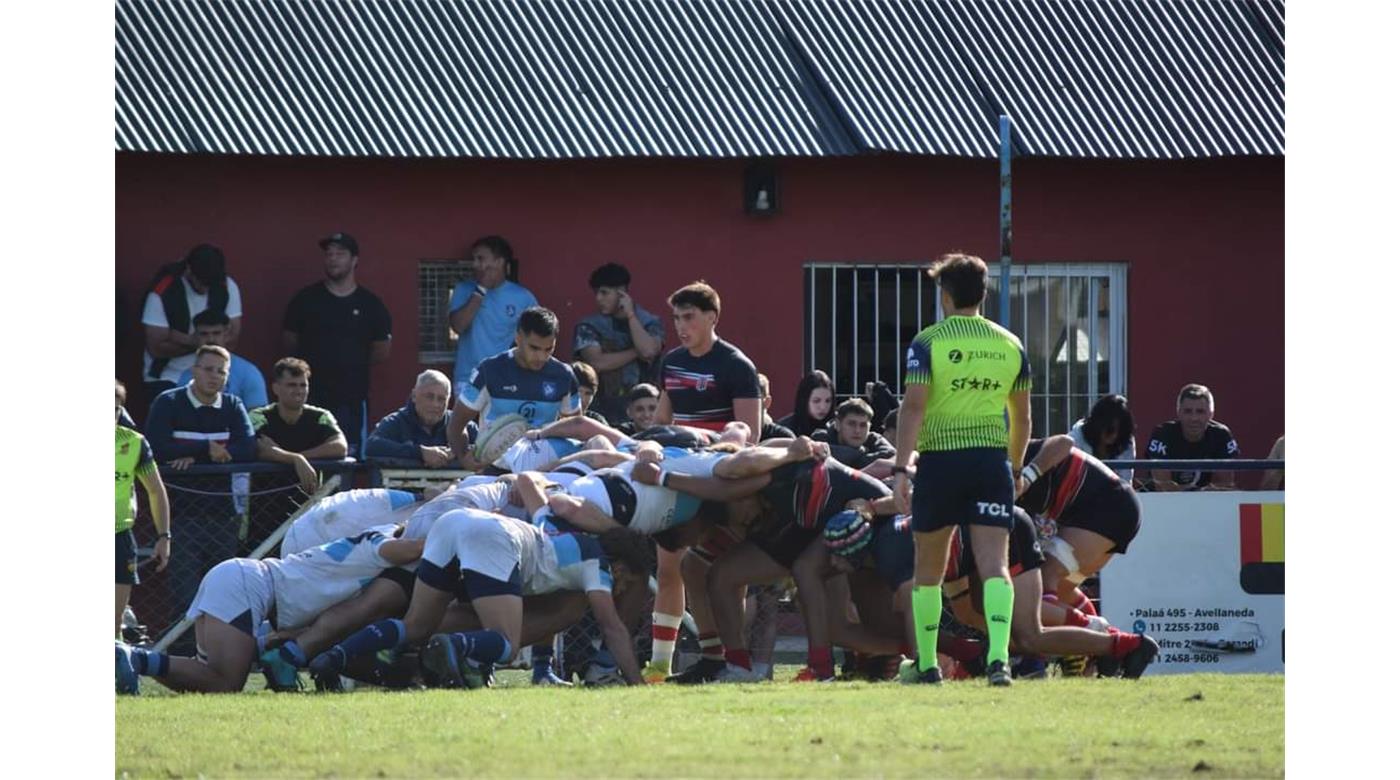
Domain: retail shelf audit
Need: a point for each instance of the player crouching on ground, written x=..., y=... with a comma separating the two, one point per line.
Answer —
x=492, y=562
x=236, y=595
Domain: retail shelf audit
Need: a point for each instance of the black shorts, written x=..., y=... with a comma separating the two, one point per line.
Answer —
x=126, y=559
x=399, y=576
x=785, y=543
x=1114, y=514
x=893, y=554
x=963, y=487
x=1024, y=553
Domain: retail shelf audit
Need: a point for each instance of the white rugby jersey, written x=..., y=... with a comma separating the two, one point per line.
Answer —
x=656, y=508
x=563, y=562
x=308, y=583
x=347, y=513
x=490, y=496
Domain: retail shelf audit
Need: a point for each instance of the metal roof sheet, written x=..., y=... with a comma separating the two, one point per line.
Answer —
x=749, y=78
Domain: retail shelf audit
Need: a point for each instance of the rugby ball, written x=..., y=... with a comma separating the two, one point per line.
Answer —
x=498, y=435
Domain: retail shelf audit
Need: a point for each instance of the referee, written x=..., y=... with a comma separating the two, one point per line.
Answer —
x=961, y=375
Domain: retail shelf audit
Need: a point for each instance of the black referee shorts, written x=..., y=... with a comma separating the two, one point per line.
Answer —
x=963, y=487
x=126, y=559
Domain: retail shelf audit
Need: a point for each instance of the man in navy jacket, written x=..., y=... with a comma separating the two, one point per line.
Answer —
x=418, y=431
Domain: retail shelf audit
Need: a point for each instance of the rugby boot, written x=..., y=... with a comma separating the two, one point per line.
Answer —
x=128, y=681
x=440, y=659
x=998, y=676
x=1138, y=659
x=701, y=671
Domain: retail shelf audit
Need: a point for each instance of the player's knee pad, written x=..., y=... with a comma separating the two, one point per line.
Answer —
x=1063, y=552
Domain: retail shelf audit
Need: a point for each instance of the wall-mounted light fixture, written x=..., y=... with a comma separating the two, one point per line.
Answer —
x=760, y=190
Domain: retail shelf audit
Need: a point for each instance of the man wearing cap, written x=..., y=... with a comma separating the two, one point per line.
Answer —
x=340, y=328
x=180, y=292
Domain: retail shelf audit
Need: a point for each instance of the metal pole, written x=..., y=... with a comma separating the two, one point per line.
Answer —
x=1005, y=310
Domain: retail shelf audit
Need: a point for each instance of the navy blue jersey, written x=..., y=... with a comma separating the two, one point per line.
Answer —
x=702, y=389
x=810, y=492
x=1079, y=478
x=501, y=386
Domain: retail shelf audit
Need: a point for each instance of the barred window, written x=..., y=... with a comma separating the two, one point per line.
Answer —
x=437, y=344
x=862, y=317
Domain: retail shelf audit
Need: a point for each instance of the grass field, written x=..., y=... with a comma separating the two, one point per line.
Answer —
x=1199, y=725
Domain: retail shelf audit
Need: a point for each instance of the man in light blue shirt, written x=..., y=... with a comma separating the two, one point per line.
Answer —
x=484, y=313
x=245, y=381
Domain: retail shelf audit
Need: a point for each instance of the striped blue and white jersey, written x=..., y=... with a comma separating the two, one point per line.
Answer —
x=501, y=386
x=308, y=583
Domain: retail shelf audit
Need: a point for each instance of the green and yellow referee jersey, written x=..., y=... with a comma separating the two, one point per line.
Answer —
x=971, y=366
x=134, y=458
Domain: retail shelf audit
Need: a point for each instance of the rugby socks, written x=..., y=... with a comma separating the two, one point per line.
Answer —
x=1123, y=643
x=997, y=597
x=292, y=653
x=383, y=635
x=711, y=649
x=542, y=660
x=1082, y=603
x=1074, y=617
x=487, y=647
x=665, y=629
x=151, y=663
x=821, y=661
x=928, y=613
x=739, y=658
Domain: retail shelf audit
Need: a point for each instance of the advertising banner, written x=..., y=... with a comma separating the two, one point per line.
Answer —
x=1204, y=577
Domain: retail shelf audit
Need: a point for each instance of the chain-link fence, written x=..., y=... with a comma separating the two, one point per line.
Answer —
x=217, y=513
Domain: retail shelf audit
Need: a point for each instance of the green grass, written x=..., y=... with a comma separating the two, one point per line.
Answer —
x=1200, y=725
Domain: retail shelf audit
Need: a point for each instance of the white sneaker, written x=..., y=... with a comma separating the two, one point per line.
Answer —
x=737, y=674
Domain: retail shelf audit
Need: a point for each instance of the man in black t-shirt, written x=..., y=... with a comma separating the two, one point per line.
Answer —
x=707, y=383
x=290, y=430
x=1193, y=435
x=340, y=328
x=851, y=438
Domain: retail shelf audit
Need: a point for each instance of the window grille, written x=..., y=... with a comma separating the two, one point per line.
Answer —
x=437, y=344
x=861, y=319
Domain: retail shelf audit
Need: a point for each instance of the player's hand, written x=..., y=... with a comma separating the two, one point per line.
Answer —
x=434, y=457
x=1021, y=485
x=860, y=506
x=306, y=475
x=434, y=490
x=162, y=553
x=469, y=461
x=180, y=464
x=219, y=453
x=801, y=449
x=903, y=492
x=646, y=473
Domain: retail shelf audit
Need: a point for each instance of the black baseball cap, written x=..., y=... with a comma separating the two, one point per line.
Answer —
x=344, y=239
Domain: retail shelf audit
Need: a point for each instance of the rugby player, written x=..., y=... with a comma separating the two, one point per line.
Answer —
x=237, y=595
x=961, y=375
x=347, y=513
x=493, y=561
x=1097, y=513
x=135, y=461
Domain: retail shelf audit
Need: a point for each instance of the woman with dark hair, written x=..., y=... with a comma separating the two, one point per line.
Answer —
x=1107, y=433
x=813, y=409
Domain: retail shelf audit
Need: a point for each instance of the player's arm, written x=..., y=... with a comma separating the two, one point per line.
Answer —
x=401, y=552
x=149, y=475
x=598, y=459
x=1019, y=407
x=615, y=635
x=664, y=414
x=750, y=412
x=1052, y=453
x=918, y=377
x=530, y=486
x=578, y=427
x=582, y=514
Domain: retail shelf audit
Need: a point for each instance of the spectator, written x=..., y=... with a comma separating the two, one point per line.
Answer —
x=1273, y=478
x=587, y=380
x=1194, y=434
x=526, y=380
x=485, y=312
x=852, y=442
x=179, y=292
x=620, y=341
x=291, y=431
x=641, y=408
x=200, y=423
x=816, y=396
x=771, y=430
x=883, y=467
x=418, y=431
x=340, y=328
x=245, y=381
x=1107, y=433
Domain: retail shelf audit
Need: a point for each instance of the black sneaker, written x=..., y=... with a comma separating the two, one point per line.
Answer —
x=1136, y=662
x=997, y=675
x=325, y=670
x=439, y=658
x=702, y=671
x=1108, y=666
x=909, y=674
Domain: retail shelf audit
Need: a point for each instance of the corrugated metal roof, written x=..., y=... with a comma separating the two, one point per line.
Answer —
x=750, y=78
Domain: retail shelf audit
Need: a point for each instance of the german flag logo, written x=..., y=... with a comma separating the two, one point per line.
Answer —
x=1261, y=549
